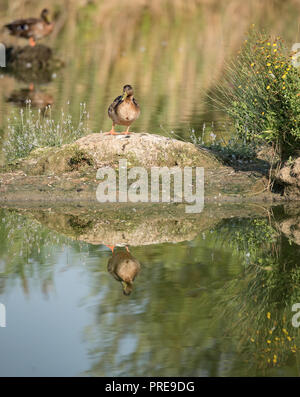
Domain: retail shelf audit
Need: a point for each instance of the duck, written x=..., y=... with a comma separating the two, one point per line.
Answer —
x=124, y=110
x=124, y=268
x=32, y=28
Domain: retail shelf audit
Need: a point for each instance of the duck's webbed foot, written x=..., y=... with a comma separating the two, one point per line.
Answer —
x=111, y=247
x=112, y=131
x=127, y=132
x=32, y=42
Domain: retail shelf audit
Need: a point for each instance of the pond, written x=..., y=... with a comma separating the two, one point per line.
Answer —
x=219, y=304
x=173, y=66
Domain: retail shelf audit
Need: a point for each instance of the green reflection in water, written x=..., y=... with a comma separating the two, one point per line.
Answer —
x=219, y=304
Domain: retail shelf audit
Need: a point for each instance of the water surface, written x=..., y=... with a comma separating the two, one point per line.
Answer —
x=217, y=305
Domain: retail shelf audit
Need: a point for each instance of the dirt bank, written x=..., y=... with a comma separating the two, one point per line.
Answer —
x=68, y=173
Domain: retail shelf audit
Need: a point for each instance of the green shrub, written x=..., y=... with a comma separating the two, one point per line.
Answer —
x=261, y=94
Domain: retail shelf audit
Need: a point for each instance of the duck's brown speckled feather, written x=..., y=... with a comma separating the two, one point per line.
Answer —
x=124, y=112
x=36, y=28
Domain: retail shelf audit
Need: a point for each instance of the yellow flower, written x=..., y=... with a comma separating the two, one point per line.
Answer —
x=283, y=76
x=252, y=64
x=289, y=338
x=268, y=341
x=285, y=331
x=252, y=340
x=262, y=113
x=269, y=315
x=275, y=359
x=268, y=64
x=268, y=44
x=275, y=50
x=274, y=45
x=268, y=87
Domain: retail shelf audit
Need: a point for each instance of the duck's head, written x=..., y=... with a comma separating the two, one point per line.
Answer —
x=45, y=15
x=127, y=287
x=127, y=91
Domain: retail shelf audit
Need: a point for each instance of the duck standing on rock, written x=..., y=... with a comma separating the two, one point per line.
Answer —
x=32, y=28
x=124, y=110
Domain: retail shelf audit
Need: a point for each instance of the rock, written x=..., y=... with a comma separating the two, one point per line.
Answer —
x=289, y=177
x=289, y=224
x=100, y=150
x=291, y=229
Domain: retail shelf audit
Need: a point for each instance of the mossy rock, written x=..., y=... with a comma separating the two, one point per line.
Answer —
x=56, y=161
x=99, y=150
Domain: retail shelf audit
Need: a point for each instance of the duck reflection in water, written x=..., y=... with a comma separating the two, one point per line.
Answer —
x=37, y=99
x=123, y=267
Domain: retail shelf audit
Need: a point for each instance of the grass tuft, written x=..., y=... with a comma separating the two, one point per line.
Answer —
x=29, y=130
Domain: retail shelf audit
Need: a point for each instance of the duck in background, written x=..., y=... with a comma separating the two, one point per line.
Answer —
x=124, y=268
x=124, y=110
x=32, y=28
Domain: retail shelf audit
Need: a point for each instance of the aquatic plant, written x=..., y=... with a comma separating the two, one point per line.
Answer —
x=261, y=94
x=28, y=130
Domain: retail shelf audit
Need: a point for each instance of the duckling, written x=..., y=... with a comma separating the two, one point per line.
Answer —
x=124, y=268
x=32, y=28
x=124, y=110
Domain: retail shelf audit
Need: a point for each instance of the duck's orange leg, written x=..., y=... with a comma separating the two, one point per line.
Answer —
x=126, y=132
x=111, y=247
x=32, y=42
x=112, y=131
